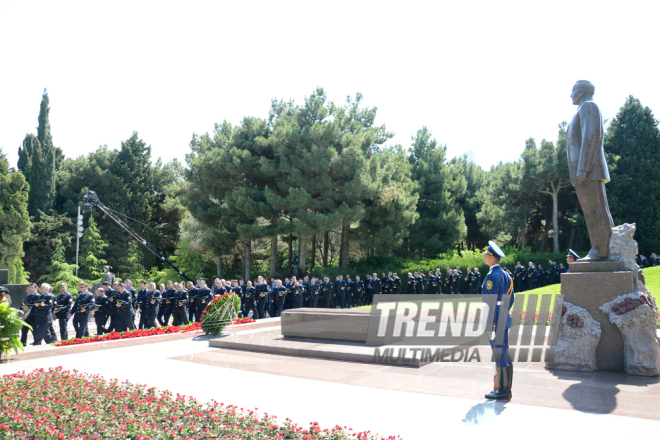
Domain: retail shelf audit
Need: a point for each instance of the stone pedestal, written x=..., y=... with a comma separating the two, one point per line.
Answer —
x=4, y=276
x=336, y=324
x=17, y=293
x=590, y=285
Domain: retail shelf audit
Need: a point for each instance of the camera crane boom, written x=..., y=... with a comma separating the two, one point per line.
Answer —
x=91, y=201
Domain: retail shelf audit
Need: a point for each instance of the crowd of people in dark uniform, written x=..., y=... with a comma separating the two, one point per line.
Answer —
x=118, y=306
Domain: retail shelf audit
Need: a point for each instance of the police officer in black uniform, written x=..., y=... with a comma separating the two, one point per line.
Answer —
x=63, y=305
x=204, y=298
x=375, y=284
x=262, y=290
x=101, y=311
x=340, y=296
x=180, y=313
x=112, y=309
x=326, y=293
x=297, y=291
x=43, y=310
x=358, y=291
x=314, y=293
x=519, y=277
x=396, y=284
x=166, y=307
x=139, y=301
x=125, y=309
x=192, y=300
x=279, y=293
x=151, y=305
x=531, y=276
x=250, y=301
x=27, y=306
x=82, y=309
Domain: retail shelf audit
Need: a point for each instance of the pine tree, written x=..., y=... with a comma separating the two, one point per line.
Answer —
x=633, y=136
x=441, y=223
x=92, y=247
x=131, y=263
x=59, y=271
x=14, y=221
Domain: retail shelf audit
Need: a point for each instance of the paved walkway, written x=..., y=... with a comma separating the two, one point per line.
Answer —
x=424, y=403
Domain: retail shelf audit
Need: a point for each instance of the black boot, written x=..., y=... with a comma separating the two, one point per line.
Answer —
x=504, y=382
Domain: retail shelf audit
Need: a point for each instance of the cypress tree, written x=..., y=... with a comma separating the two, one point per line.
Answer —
x=633, y=141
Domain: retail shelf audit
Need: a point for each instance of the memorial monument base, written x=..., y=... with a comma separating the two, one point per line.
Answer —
x=590, y=285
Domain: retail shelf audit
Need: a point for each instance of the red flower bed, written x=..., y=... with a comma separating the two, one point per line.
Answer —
x=113, y=336
x=58, y=404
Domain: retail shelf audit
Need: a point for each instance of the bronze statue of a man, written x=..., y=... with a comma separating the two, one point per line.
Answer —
x=588, y=168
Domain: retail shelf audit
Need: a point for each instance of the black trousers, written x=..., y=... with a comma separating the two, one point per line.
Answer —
x=63, y=322
x=151, y=318
x=143, y=320
x=44, y=324
x=261, y=308
x=80, y=324
x=280, y=308
x=24, y=330
x=113, y=322
x=101, y=319
x=192, y=312
x=314, y=301
x=357, y=299
x=125, y=320
x=249, y=305
x=180, y=316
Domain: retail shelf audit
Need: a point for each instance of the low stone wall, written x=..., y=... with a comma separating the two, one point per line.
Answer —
x=337, y=324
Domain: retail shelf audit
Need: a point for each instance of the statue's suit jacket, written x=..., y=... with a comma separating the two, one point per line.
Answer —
x=584, y=144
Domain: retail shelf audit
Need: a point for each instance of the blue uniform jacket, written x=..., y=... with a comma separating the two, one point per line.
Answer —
x=499, y=283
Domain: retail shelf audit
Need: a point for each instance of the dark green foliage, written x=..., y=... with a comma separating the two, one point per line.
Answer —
x=48, y=232
x=92, y=251
x=14, y=221
x=441, y=223
x=633, y=136
x=59, y=271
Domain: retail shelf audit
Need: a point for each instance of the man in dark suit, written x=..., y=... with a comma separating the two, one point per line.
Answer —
x=588, y=169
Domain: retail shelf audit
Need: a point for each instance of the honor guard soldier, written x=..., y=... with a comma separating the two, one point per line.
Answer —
x=151, y=305
x=279, y=294
x=314, y=293
x=262, y=291
x=531, y=276
x=340, y=297
x=572, y=257
x=499, y=283
x=63, y=305
x=358, y=291
x=180, y=306
x=326, y=293
x=27, y=306
x=100, y=312
x=204, y=298
x=125, y=309
x=250, y=301
x=43, y=310
x=82, y=309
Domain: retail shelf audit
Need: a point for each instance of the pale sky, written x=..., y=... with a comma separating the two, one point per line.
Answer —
x=483, y=76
